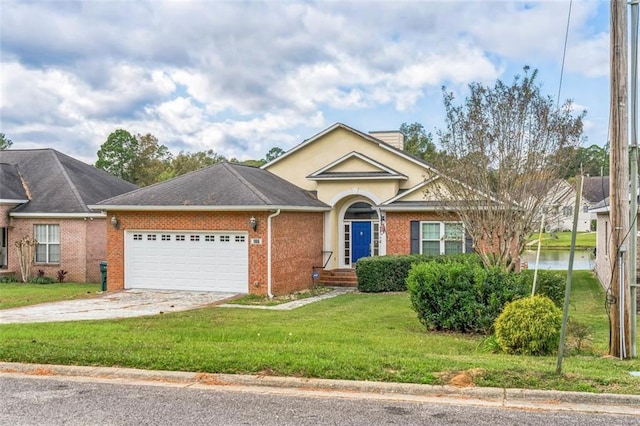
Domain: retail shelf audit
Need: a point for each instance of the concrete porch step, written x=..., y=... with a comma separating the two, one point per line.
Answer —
x=338, y=277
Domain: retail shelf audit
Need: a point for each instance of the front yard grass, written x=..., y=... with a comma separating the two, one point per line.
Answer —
x=14, y=295
x=354, y=337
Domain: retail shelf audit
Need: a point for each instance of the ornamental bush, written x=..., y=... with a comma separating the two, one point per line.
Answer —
x=529, y=326
x=460, y=296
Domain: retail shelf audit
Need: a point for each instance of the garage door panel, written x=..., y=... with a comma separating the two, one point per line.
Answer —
x=208, y=261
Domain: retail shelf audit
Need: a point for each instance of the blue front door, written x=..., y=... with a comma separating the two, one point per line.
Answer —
x=360, y=240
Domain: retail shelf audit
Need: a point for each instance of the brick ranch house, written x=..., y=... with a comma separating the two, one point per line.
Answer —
x=335, y=198
x=44, y=195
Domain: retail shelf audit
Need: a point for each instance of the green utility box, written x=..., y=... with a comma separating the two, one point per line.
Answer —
x=103, y=272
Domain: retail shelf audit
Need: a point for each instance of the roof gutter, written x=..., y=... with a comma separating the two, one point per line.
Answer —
x=100, y=215
x=105, y=207
x=269, y=293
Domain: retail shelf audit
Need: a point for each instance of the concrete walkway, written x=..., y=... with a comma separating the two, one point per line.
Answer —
x=122, y=304
x=336, y=291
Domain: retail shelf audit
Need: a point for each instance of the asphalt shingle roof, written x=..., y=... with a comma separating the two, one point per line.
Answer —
x=220, y=185
x=595, y=188
x=57, y=183
x=11, y=187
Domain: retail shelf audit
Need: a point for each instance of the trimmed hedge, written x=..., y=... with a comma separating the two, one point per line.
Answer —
x=389, y=273
x=460, y=296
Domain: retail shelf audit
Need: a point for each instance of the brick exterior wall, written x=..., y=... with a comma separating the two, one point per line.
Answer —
x=289, y=272
x=82, y=246
x=297, y=248
x=398, y=226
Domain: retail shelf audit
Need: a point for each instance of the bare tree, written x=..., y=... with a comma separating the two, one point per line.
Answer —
x=501, y=158
x=25, y=248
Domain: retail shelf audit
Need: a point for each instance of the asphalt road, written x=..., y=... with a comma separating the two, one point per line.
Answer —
x=90, y=401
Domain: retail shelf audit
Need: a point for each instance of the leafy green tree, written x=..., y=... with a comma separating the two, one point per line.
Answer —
x=117, y=155
x=186, y=162
x=418, y=142
x=5, y=142
x=273, y=153
x=151, y=161
x=252, y=163
x=594, y=161
x=138, y=159
x=504, y=145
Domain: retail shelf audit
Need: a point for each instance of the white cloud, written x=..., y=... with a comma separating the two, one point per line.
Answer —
x=242, y=77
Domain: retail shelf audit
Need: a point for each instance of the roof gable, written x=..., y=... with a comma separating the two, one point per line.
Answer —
x=364, y=136
x=221, y=186
x=57, y=183
x=355, y=166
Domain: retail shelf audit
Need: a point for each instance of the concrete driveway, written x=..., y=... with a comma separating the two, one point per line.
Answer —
x=122, y=304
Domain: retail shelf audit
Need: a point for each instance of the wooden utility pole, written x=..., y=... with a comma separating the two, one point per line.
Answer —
x=619, y=184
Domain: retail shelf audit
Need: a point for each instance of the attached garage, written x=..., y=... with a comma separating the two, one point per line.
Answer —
x=187, y=260
x=227, y=227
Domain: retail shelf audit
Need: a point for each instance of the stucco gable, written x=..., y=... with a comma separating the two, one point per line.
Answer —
x=325, y=150
x=356, y=166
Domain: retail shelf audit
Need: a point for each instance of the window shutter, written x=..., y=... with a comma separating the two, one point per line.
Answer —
x=468, y=243
x=415, y=237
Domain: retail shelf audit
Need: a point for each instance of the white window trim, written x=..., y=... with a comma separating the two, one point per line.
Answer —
x=442, y=238
x=47, y=244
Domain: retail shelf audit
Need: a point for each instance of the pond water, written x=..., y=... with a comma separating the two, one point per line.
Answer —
x=559, y=259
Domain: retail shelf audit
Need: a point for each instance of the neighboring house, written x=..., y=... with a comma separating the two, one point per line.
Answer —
x=605, y=259
x=44, y=195
x=335, y=198
x=559, y=205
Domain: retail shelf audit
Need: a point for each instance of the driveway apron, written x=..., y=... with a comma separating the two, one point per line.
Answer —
x=122, y=304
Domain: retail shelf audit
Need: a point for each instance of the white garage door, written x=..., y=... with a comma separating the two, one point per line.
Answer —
x=206, y=261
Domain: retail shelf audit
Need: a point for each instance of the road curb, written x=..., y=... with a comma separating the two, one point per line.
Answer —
x=603, y=402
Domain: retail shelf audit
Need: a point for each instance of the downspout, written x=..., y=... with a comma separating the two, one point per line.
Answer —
x=269, y=252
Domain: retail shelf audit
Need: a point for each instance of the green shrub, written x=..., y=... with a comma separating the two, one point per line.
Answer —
x=41, y=279
x=529, y=326
x=460, y=296
x=549, y=283
x=389, y=273
x=8, y=279
x=383, y=273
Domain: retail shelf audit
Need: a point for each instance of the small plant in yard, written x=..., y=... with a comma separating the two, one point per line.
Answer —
x=61, y=275
x=41, y=278
x=579, y=337
x=8, y=279
x=529, y=326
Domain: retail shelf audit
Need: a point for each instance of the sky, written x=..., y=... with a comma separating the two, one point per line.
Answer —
x=241, y=77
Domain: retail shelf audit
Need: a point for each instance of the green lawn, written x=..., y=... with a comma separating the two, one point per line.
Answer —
x=354, y=336
x=562, y=240
x=18, y=294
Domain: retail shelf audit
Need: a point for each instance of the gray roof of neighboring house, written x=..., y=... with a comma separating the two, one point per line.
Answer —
x=57, y=183
x=223, y=185
x=595, y=188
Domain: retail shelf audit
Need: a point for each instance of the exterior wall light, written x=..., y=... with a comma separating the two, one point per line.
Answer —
x=254, y=223
x=114, y=221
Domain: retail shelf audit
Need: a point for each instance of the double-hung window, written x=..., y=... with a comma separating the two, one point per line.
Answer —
x=48, y=248
x=442, y=238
